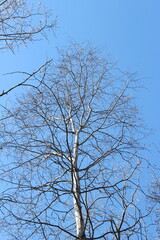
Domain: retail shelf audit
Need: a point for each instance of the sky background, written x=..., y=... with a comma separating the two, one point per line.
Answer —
x=129, y=30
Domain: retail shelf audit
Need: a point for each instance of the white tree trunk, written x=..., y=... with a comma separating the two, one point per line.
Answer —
x=76, y=191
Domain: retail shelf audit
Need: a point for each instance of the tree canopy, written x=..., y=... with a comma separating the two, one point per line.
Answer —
x=74, y=154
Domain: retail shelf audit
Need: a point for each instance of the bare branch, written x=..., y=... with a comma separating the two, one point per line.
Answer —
x=23, y=83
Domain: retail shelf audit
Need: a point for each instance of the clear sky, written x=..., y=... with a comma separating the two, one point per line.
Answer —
x=127, y=29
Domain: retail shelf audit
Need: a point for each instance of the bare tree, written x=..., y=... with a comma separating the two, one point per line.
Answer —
x=73, y=150
x=21, y=22
x=154, y=197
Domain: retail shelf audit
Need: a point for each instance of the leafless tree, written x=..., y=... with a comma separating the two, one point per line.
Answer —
x=73, y=153
x=154, y=197
x=22, y=22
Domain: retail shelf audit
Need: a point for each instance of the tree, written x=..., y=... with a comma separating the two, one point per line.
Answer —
x=72, y=141
x=154, y=197
x=21, y=22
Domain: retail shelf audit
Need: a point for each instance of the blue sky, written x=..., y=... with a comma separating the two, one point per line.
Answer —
x=127, y=29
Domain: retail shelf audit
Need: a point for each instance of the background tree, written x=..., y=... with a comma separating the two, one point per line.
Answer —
x=72, y=143
x=154, y=197
x=21, y=22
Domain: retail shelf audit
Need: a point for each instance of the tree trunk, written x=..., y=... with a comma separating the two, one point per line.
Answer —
x=76, y=193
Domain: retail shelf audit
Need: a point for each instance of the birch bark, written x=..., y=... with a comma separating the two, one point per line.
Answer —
x=76, y=191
